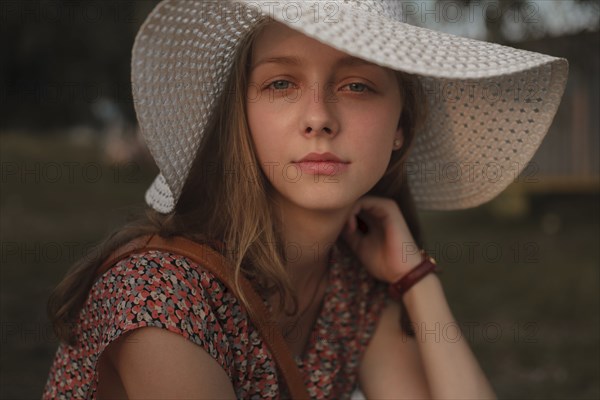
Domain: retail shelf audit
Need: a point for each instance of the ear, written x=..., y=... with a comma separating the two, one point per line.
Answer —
x=398, y=139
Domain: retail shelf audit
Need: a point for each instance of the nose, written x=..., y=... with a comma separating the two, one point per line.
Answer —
x=320, y=116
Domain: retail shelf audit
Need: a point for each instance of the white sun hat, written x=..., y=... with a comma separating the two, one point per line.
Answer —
x=489, y=105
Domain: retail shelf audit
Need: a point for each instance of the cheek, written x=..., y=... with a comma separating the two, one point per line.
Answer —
x=264, y=135
x=373, y=136
x=373, y=129
x=256, y=122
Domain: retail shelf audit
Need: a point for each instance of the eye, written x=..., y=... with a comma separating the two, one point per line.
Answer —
x=280, y=84
x=359, y=87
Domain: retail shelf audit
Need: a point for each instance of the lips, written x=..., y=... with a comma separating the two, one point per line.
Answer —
x=323, y=157
x=322, y=164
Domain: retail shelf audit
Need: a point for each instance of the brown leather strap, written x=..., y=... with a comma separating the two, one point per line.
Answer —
x=427, y=265
x=217, y=264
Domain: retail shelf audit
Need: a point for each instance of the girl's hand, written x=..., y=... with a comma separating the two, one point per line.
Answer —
x=388, y=249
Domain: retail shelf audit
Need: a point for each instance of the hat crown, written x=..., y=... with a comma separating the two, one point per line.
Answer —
x=391, y=9
x=387, y=8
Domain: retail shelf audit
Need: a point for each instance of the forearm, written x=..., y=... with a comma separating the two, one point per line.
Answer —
x=450, y=366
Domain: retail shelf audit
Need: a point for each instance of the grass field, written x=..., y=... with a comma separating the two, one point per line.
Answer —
x=523, y=288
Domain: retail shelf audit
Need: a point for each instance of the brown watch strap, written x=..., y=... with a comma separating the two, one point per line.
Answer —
x=398, y=288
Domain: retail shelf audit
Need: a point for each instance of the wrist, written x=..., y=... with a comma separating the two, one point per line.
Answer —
x=423, y=266
x=412, y=261
x=427, y=285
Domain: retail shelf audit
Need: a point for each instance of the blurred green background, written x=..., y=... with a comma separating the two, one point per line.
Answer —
x=521, y=272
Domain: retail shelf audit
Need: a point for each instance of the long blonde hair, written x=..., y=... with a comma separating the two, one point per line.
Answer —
x=224, y=183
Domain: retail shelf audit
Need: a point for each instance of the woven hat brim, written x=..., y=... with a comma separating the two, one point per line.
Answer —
x=159, y=196
x=489, y=105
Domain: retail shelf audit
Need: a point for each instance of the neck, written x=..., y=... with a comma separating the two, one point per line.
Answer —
x=309, y=236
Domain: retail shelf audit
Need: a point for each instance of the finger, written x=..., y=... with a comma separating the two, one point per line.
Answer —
x=352, y=238
x=368, y=211
x=376, y=206
x=380, y=208
x=352, y=217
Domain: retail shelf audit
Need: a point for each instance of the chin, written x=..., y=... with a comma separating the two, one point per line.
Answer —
x=324, y=200
x=323, y=196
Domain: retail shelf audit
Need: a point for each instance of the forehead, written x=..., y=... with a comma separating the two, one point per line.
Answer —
x=278, y=44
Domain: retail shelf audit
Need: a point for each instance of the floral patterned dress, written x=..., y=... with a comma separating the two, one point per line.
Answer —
x=168, y=291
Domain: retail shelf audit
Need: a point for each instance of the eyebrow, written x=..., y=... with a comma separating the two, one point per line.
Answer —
x=295, y=61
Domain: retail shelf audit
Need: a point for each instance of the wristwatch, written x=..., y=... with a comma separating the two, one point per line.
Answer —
x=398, y=288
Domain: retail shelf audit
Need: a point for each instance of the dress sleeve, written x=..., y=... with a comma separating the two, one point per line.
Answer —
x=161, y=290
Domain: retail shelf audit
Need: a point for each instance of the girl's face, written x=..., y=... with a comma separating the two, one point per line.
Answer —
x=306, y=97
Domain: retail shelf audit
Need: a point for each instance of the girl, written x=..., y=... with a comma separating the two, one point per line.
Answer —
x=284, y=141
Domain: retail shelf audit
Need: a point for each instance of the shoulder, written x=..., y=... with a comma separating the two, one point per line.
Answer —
x=166, y=279
x=155, y=272
x=157, y=264
x=191, y=353
x=166, y=290
x=157, y=363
